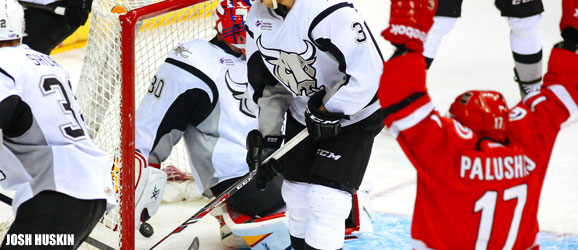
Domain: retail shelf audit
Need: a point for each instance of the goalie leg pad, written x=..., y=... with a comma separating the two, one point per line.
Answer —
x=268, y=232
x=359, y=221
x=329, y=209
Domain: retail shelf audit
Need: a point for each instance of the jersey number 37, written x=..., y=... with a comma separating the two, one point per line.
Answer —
x=73, y=130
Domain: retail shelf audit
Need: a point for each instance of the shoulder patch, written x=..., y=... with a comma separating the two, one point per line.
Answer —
x=517, y=113
x=463, y=131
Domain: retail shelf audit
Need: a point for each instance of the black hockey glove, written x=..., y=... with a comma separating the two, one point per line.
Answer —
x=76, y=11
x=322, y=124
x=258, y=149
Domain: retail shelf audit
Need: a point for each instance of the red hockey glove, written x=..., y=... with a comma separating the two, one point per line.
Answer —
x=409, y=22
x=569, y=14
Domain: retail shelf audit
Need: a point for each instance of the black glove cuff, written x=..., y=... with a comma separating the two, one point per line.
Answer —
x=271, y=141
x=570, y=34
x=567, y=45
x=400, y=50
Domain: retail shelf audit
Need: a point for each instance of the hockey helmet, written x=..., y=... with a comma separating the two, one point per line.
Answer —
x=484, y=112
x=11, y=20
x=231, y=20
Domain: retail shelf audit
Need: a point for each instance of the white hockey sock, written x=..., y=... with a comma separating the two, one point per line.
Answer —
x=297, y=201
x=329, y=209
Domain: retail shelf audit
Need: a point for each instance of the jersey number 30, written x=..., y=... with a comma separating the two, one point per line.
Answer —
x=487, y=205
x=71, y=130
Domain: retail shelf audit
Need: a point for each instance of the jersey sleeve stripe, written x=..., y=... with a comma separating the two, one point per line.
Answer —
x=6, y=74
x=536, y=102
x=564, y=97
x=411, y=120
x=401, y=105
x=373, y=40
x=324, y=14
x=249, y=31
x=328, y=12
x=199, y=74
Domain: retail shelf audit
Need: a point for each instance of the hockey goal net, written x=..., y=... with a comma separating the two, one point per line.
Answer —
x=123, y=52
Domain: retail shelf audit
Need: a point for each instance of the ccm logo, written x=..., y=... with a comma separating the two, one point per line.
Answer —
x=327, y=154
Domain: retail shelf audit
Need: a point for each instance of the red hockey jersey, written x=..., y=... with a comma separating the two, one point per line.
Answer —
x=471, y=193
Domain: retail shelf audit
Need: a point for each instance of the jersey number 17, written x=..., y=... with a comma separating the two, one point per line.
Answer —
x=487, y=205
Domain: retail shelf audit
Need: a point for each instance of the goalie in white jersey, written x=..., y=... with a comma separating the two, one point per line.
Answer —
x=199, y=94
x=62, y=180
x=316, y=63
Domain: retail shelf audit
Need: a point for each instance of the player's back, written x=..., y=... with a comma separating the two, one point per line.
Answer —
x=50, y=138
x=472, y=194
x=45, y=87
x=214, y=134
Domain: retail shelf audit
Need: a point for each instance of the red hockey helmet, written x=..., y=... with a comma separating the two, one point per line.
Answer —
x=231, y=20
x=484, y=112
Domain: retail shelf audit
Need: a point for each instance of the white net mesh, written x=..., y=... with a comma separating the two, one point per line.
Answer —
x=99, y=88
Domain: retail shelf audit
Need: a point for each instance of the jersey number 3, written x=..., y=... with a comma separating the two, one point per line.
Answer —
x=71, y=130
x=487, y=205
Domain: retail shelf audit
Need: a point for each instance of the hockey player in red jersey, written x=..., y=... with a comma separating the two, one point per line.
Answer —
x=479, y=171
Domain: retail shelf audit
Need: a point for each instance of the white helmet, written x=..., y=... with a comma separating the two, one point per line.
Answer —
x=11, y=20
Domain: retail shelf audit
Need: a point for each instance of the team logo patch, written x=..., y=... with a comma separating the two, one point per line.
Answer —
x=182, y=51
x=156, y=193
x=260, y=24
x=463, y=131
x=227, y=61
x=517, y=113
x=294, y=70
x=246, y=105
x=328, y=154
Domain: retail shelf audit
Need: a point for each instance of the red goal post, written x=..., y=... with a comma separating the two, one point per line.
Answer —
x=122, y=54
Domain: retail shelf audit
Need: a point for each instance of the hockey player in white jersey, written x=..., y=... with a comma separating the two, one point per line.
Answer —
x=199, y=94
x=316, y=63
x=523, y=18
x=47, y=29
x=63, y=182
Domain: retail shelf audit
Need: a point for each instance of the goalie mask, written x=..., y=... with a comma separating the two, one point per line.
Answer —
x=484, y=112
x=231, y=20
x=11, y=20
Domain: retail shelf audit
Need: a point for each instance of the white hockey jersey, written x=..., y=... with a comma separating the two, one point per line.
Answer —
x=46, y=144
x=317, y=44
x=199, y=94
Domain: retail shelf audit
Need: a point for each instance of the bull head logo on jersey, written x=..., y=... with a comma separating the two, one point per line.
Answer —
x=238, y=89
x=294, y=70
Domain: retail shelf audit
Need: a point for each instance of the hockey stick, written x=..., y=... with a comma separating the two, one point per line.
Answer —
x=58, y=10
x=88, y=240
x=232, y=189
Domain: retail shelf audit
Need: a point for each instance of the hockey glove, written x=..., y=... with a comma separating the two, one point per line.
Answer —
x=322, y=124
x=258, y=149
x=76, y=12
x=569, y=21
x=409, y=22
